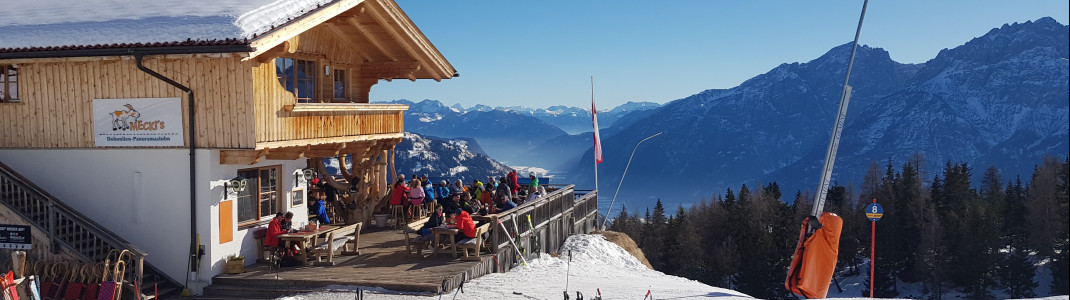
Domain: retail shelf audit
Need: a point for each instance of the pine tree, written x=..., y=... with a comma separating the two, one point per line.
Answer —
x=1044, y=210
x=932, y=258
x=1016, y=274
x=653, y=235
x=1060, y=264
x=618, y=223
x=1014, y=212
x=763, y=258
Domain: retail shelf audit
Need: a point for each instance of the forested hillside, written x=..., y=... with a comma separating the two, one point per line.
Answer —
x=981, y=240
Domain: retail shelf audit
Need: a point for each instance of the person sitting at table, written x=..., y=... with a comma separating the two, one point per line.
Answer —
x=468, y=204
x=451, y=203
x=274, y=230
x=487, y=199
x=466, y=226
x=320, y=207
x=436, y=219
x=287, y=221
x=505, y=203
x=416, y=195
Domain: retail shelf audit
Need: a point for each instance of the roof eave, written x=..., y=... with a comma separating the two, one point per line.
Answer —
x=124, y=51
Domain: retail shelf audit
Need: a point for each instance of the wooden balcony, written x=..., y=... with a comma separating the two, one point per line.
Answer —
x=305, y=124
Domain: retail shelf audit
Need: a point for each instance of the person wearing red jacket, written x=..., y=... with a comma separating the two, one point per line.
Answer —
x=513, y=182
x=466, y=225
x=274, y=230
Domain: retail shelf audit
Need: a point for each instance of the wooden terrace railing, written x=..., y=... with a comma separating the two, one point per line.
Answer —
x=562, y=212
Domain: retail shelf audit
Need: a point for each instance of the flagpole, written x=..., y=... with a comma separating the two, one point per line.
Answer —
x=593, y=112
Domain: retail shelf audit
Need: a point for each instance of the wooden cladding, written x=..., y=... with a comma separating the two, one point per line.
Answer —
x=56, y=98
x=280, y=124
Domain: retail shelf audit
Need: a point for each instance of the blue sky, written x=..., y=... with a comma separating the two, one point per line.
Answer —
x=543, y=53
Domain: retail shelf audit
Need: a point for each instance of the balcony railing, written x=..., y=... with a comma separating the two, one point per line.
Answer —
x=331, y=122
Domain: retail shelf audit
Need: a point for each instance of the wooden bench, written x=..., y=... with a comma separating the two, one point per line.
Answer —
x=262, y=254
x=414, y=242
x=342, y=241
x=473, y=243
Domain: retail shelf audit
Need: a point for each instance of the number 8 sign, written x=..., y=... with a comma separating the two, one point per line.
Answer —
x=874, y=212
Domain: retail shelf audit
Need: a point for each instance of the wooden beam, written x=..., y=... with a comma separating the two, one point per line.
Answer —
x=329, y=150
x=377, y=14
x=288, y=153
x=294, y=28
x=241, y=157
x=366, y=33
x=419, y=40
x=319, y=141
x=344, y=107
x=287, y=47
x=348, y=40
x=356, y=148
x=389, y=69
x=16, y=61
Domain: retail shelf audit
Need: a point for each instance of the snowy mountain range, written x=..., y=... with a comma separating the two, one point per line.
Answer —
x=438, y=158
x=509, y=134
x=1000, y=99
x=444, y=158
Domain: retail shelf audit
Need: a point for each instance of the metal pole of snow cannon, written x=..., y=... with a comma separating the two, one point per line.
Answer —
x=837, y=127
x=610, y=209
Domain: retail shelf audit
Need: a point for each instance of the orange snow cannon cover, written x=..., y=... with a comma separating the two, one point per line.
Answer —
x=814, y=261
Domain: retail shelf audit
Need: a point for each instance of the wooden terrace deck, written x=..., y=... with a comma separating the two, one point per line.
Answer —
x=382, y=263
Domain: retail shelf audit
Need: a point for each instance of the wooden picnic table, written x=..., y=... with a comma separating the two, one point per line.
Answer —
x=449, y=232
x=304, y=239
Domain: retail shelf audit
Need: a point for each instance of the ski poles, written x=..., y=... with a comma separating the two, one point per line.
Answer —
x=568, y=269
x=506, y=230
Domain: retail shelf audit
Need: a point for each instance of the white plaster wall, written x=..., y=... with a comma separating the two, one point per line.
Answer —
x=244, y=242
x=143, y=195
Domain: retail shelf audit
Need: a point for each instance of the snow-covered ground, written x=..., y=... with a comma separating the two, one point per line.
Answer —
x=596, y=264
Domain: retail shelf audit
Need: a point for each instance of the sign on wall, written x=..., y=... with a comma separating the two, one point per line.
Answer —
x=138, y=122
x=15, y=237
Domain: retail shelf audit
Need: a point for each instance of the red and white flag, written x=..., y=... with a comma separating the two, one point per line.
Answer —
x=597, y=140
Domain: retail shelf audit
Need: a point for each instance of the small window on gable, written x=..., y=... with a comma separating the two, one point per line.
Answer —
x=9, y=84
x=340, y=84
x=298, y=77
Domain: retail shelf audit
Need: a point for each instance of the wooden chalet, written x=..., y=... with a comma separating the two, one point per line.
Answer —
x=182, y=147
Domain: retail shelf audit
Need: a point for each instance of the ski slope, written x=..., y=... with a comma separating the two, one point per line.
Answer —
x=596, y=264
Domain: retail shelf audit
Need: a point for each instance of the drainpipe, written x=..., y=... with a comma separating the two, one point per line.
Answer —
x=194, y=250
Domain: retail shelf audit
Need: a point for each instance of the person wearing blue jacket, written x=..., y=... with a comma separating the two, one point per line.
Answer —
x=321, y=212
x=429, y=192
x=442, y=192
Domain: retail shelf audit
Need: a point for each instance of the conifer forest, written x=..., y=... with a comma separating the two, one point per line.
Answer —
x=942, y=231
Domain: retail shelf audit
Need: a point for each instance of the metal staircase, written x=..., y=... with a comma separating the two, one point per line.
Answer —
x=69, y=229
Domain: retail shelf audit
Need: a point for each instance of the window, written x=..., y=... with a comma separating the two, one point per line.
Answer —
x=298, y=77
x=261, y=195
x=9, y=84
x=339, y=84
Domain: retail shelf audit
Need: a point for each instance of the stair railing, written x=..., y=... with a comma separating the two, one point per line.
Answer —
x=65, y=226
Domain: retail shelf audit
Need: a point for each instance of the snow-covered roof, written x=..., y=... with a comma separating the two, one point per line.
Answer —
x=29, y=25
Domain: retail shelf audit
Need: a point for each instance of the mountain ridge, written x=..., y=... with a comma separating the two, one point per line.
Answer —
x=998, y=105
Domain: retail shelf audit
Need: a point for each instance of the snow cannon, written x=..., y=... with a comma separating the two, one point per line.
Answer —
x=814, y=261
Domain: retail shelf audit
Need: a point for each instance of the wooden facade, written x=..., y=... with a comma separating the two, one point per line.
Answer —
x=240, y=104
x=55, y=109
